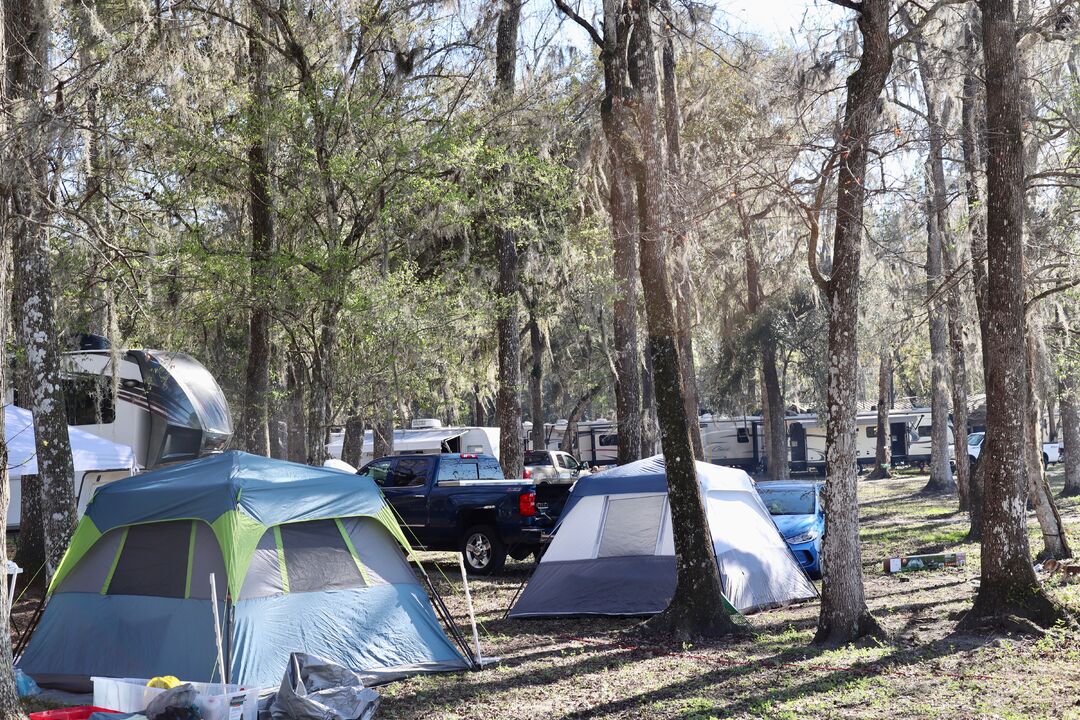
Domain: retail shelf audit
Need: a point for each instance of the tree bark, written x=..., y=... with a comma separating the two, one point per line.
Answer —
x=536, y=384
x=254, y=430
x=382, y=436
x=937, y=224
x=772, y=400
x=697, y=606
x=883, y=445
x=1069, y=400
x=295, y=384
x=1055, y=541
x=28, y=37
x=1008, y=583
x=614, y=120
x=568, y=443
x=352, y=444
x=844, y=615
x=11, y=14
x=508, y=398
x=972, y=104
x=681, y=231
x=322, y=379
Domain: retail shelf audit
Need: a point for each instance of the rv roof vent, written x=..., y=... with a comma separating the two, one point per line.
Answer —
x=561, y=421
x=426, y=424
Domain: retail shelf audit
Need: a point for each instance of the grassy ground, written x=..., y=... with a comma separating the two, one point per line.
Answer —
x=599, y=668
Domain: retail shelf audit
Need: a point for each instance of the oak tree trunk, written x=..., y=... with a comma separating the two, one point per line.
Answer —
x=508, y=397
x=295, y=403
x=536, y=384
x=11, y=14
x=254, y=430
x=352, y=444
x=1008, y=584
x=27, y=33
x=382, y=436
x=1069, y=400
x=844, y=615
x=772, y=400
x=681, y=231
x=972, y=106
x=697, y=606
x=883, y=445
x=1055, y=541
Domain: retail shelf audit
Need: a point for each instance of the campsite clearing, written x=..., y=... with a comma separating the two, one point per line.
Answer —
x=599, y=668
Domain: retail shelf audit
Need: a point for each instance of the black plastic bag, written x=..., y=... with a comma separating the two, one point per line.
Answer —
x=177, y=703
x=317, y=689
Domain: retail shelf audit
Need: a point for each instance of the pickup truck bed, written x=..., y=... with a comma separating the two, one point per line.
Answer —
x=462, y=503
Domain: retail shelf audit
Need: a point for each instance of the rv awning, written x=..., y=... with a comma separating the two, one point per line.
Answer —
x=88, y=451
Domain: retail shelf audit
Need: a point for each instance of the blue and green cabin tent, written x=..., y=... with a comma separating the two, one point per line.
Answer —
x=305, y=559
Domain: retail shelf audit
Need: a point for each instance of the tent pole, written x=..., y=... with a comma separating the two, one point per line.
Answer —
x=472, y=615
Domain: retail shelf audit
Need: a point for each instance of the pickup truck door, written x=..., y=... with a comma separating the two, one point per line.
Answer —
x=405, y=488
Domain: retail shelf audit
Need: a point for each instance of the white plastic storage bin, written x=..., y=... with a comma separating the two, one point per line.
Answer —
x=130, y=695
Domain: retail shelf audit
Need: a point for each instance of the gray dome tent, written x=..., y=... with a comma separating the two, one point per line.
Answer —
x=614, y=553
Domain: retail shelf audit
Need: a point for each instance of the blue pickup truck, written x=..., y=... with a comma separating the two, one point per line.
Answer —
x=462, y=502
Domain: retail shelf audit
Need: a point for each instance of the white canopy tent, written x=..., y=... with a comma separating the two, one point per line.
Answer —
x=96, y=460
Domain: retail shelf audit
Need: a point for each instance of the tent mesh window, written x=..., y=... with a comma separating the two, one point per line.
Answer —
x=89, y=574
x=153, y=560
x=317, y=557
x=631, y=526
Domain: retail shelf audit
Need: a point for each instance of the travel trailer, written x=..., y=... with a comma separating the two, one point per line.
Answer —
x=426, y=435
x=740, y=441
x=167, y=406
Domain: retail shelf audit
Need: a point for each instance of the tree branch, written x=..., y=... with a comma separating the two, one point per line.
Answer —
x=570, y=13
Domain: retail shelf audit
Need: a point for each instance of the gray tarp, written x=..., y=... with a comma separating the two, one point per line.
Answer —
x=316, y=689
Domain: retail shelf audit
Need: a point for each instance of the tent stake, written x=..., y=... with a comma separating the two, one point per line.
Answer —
x=472, y=616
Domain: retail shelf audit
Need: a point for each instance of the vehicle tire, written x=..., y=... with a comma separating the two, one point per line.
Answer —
x=1046, y=461
x=483, y=550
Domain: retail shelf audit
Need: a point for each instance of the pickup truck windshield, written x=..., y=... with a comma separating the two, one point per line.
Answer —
x=465, y=468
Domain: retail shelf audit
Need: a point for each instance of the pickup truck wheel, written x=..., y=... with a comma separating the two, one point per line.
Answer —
x=483, y=550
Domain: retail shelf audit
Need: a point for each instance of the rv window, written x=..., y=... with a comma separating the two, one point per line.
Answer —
x=871, y=431
x=741, y=435
x=608, y=440
x=924, y=431
x=89, y=400
x=410, y=472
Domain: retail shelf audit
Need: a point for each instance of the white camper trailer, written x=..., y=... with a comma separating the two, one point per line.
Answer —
x=167, y=406
x=740, y=441
x=96, y=461
x=426, y=435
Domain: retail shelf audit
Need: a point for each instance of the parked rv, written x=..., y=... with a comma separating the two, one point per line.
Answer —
x=167, y=407
x=426, y=435
x=740, y=441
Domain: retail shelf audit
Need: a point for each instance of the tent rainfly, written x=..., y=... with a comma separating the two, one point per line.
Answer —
x=305, y=559
x=96, y=460
x=614, y=553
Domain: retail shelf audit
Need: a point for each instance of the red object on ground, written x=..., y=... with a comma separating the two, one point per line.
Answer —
x=79, y=712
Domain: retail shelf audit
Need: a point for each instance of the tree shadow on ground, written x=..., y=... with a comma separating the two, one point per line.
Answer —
x=833, y=679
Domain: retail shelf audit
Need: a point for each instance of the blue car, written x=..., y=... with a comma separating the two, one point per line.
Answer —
x=797, y=511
